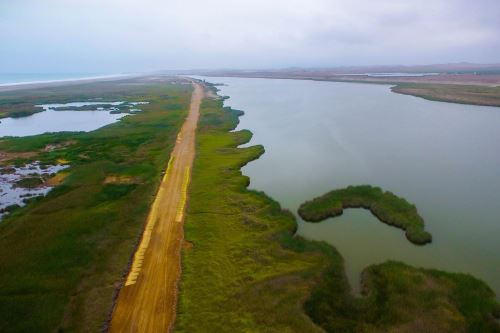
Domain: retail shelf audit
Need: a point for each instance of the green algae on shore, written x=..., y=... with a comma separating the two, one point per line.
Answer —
x=386, y=206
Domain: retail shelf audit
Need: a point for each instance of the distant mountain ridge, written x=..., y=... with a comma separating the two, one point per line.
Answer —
x=447, y=68
x=461, y=67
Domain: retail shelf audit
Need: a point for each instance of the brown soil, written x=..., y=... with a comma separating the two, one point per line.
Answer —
x=57, y=179
x=52, y=147
x=120, y=180
x=186, y=245
x=8, y=156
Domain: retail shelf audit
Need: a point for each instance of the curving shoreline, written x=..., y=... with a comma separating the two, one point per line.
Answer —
x=12, y=86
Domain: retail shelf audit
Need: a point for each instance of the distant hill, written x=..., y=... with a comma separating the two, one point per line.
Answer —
x=451, y=68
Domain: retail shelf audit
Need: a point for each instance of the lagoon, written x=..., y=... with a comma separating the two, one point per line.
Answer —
x=443, y=157
x=50, y=120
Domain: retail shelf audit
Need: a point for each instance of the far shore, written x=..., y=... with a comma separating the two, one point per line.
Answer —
x=471, y=89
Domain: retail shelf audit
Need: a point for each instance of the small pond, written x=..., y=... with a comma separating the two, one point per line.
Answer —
x=68, y=117
x=19, y=184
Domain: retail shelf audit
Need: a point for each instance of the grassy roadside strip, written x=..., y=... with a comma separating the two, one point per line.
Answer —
x=64, y=255
x=236, y=276
x=245, y=271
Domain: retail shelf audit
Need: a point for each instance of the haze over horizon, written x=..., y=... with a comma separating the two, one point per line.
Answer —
x=126, y=35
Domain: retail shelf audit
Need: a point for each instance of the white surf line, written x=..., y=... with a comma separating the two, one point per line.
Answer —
x=85, y=78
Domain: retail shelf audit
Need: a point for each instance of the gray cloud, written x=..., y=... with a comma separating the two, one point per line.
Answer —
x=127, y=35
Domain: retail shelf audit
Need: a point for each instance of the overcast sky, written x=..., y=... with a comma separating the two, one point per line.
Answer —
x=139, y=35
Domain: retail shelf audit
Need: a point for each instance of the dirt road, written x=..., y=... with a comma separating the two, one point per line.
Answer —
x=147, y=301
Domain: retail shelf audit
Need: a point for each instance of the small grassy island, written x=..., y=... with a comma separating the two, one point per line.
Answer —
x=386, y=206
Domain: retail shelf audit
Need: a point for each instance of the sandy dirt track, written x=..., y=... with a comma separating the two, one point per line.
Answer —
x=147, y=300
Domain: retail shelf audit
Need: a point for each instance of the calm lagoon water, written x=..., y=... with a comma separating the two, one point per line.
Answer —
x=324, y=135
x=59, y=121
x=10, y=194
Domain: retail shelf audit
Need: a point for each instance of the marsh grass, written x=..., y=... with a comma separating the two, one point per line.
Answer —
x=386, y=206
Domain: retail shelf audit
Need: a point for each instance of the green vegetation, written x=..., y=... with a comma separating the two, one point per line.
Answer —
x=244, y=270
x=17, y=109
x=400, y=298
x=64, y=255
x=454, y=93
x=121, y=108
x=237, y=277
x=10, y=209
x=29, y=182
x=386, y=206
x=7, y=171
x=81, y=108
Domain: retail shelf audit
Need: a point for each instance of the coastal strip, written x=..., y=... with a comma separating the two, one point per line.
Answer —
x=147, y=302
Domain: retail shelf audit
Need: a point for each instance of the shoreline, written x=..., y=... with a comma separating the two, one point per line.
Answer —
x=14, y=86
